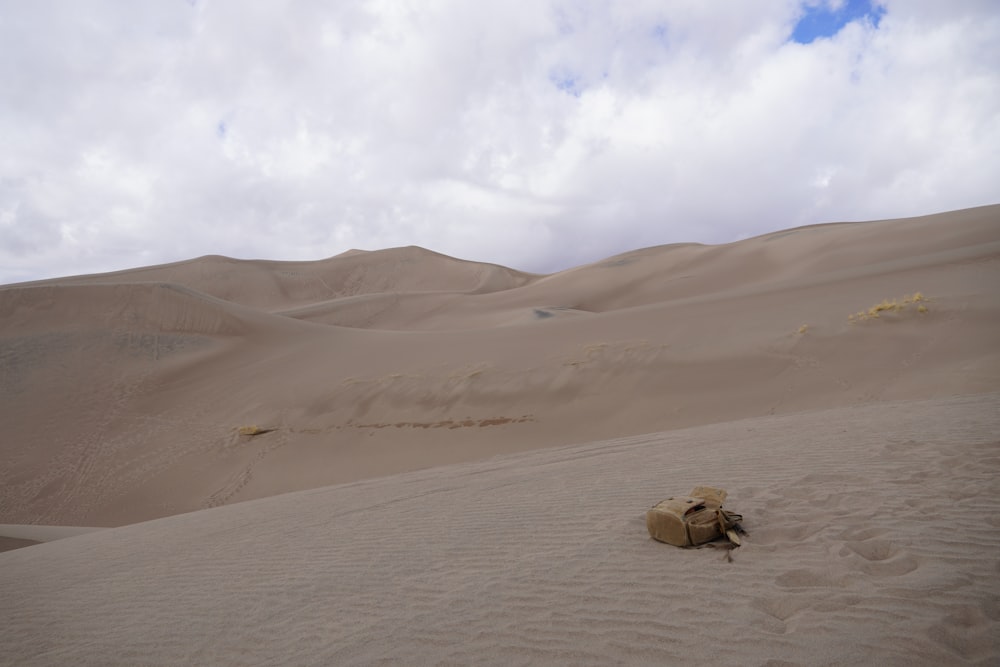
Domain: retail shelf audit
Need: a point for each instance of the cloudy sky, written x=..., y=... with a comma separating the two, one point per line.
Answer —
x=538, y=134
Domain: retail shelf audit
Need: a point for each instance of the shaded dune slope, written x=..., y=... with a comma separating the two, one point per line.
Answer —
x=122, y=394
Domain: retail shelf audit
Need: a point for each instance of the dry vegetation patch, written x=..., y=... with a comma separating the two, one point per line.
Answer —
x=253, y=430
x=889, y=307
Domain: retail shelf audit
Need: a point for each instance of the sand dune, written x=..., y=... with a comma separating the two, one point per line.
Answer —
x=122, y=394
x=447, y=462
x=269, y=285
x=873, y=540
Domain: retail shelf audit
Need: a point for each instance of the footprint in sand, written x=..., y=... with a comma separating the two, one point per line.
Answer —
x=809, y=578
x=879, y=558
x=965, y=631
x=860, y=534
x=779, y=610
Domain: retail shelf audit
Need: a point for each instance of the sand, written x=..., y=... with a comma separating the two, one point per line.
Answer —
x=455, y=458
x=873, y=539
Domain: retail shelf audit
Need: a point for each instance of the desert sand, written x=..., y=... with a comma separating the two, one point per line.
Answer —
x=398, y=457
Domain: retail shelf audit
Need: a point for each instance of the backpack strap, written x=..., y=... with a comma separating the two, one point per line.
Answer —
x=712, y=496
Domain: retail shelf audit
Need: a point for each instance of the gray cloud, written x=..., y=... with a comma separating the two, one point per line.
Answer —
x=533, y=134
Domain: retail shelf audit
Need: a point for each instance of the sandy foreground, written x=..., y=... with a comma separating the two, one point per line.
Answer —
x=874, y=536
x=376, y=458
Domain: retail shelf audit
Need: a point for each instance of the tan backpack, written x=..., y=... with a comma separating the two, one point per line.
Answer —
x=693, y=520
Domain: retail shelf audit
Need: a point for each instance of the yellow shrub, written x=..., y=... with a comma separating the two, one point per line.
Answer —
x=887, y=306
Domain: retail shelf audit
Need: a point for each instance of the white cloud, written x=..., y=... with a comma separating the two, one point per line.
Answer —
x=534, y=134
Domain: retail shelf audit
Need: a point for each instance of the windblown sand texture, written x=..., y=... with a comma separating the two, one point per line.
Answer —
x=445, y=402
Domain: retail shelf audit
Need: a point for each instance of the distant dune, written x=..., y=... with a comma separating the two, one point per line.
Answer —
x=494, y=438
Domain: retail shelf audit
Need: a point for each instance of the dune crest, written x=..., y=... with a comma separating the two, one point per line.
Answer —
x=281, y=285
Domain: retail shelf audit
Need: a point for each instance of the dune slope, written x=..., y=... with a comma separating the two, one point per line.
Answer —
x=873, y=535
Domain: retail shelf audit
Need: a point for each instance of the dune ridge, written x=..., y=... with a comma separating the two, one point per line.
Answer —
x=268, y=284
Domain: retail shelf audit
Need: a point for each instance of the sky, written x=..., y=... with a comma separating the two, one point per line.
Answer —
x=537, y=134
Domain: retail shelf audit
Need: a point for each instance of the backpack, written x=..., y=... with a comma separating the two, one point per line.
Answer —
x=694, y=520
